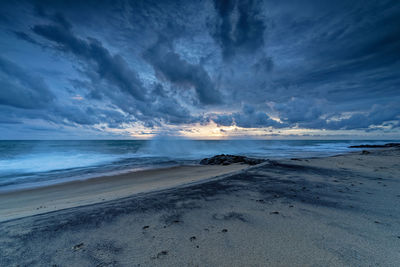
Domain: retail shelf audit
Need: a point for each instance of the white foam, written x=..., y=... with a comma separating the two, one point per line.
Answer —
x=43, y=162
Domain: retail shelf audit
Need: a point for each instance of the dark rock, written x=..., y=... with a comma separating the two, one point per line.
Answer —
x=230, y=159
x=162, y=253
x=224, y=230
x=274, y=212
x=365, y=152
x=193, y=238
x=377, y=146
x=145, y=227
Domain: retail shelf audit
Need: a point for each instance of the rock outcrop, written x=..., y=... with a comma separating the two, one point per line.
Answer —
x=377, y=146
x=230, y=159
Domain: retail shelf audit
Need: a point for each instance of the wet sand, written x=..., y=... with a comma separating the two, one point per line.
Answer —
x=34, y=201
x=334, y=211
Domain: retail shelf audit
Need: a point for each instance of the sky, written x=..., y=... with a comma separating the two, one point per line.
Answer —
x=200, y=69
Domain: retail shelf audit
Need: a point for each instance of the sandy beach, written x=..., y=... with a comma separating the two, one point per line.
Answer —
x=39, y=200
x=335, y=211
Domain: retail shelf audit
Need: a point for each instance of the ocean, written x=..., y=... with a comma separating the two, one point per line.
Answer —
x=27, y=164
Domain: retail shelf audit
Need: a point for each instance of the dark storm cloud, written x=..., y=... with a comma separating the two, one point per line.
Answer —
x=223, y=119
x=181, y=72
x=116, y=71
x=113, y=68
x=264, y=65
x=354, y=65
x=389, y=113
x=239, y=27
x=248, y=117
x=366, y=39
x=299, y=110
x=170, y=110
x=88, y=116
x=159, y=108
x=20, y=89
x=26, y=37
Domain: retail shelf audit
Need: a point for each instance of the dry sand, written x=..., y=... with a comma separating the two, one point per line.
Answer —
x=335, y=211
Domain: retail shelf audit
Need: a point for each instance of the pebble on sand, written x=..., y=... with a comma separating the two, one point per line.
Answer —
x=78, y=246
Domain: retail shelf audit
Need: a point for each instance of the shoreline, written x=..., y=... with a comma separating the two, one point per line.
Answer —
x=93, y=177
x=43, y=199
x=33, y=201
x=34, y=186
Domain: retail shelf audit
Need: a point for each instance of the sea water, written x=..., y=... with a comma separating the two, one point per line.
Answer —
x=25, y=164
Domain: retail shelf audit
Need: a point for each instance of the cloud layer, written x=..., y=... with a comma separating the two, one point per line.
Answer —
x=146, y=66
